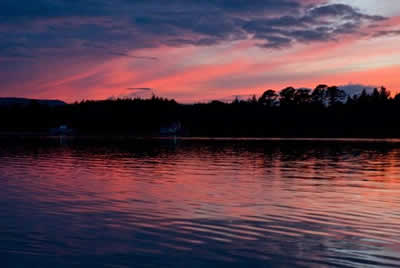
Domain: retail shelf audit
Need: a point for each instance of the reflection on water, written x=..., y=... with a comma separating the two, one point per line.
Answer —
x=200, y=202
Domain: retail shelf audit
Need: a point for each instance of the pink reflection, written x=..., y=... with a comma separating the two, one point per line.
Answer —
x=213, y=184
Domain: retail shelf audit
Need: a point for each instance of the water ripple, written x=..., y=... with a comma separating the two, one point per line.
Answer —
x=198, y=203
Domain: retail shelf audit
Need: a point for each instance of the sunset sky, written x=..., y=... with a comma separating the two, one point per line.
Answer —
x=194, y=50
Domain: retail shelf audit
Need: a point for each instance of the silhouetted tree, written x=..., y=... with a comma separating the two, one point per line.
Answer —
x=351, y=99
x=318, y=96
x=302, y=96
x=397, y=99
x=269, y=98
x=363, y=98
x=253, y=100
x=375, y=96
x=335, y=95
x=384, y=94
x=236, y=101
x=287, y=96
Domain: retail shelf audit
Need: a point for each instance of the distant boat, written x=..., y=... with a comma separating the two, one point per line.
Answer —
x=61, y=130
x=171, y=130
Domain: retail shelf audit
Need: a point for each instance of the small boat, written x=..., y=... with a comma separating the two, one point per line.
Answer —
x=61, y=131
x=171, y=130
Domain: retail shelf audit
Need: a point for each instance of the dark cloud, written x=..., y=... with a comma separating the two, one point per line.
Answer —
x=316, y=24
x=386, y=33
x=343, y=11
x=138, y=92
x=133, y=56
x=112, y=27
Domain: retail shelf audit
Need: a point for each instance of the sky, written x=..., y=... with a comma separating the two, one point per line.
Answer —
x=194, y=50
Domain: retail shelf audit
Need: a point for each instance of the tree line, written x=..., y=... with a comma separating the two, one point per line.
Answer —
x=322, y=95
x=326, y=111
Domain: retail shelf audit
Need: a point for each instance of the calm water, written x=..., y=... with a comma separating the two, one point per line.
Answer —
x=199, y=203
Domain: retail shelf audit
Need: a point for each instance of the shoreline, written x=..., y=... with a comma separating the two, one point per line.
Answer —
x=126, y=136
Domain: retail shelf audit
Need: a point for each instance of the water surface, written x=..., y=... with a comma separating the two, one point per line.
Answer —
x=200, y=203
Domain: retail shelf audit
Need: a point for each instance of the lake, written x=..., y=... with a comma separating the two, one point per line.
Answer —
x=199, y=203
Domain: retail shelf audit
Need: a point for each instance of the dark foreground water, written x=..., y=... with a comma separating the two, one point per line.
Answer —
x=206, y=203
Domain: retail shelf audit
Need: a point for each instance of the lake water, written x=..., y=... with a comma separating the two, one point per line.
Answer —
x=200, y=203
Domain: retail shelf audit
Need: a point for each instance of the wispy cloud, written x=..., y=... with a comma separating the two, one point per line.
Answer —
x=140, y=88
x=133, y=56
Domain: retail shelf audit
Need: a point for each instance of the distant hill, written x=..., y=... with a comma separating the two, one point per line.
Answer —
x=24, y=101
